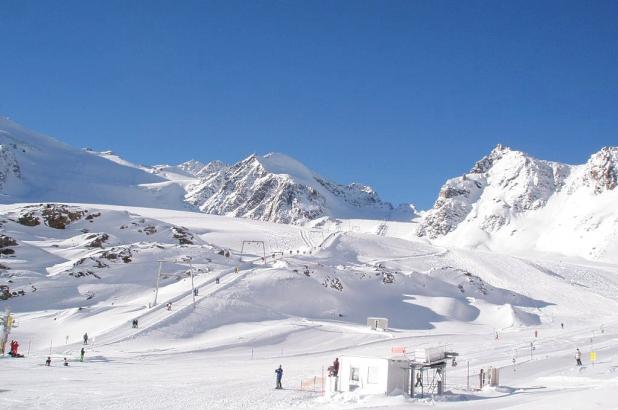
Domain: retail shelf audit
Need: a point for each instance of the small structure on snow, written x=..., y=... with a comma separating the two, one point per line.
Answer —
x=377, y=323
x=371, y=375
x=423, y=372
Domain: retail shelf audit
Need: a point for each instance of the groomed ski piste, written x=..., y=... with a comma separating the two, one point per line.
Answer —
x=303, y=304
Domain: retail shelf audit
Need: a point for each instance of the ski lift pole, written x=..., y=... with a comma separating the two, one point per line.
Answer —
x=468, y=379
x=192, y=286
x=157, y=288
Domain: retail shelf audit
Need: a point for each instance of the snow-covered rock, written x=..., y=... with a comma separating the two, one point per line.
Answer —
x=502, y=185
x=512, y=201
x=278, y=188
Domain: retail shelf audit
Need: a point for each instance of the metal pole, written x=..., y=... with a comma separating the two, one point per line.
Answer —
x=192, y=286
x=468, y=376
x=29, y=343
x=157, y=289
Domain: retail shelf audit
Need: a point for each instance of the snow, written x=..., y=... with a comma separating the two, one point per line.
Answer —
x=510, y=252
x=274, y=313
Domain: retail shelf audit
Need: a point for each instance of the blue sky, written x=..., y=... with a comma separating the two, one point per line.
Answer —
x=400, y=95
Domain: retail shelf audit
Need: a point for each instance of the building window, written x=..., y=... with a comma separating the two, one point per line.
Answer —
x=373, y=375
x=354, y=374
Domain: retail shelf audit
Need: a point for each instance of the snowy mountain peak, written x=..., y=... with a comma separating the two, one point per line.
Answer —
x=210, y=168
x=192, y=166
x=602, y=170
x=499, y=187
x=278, y=188
x=499, y=152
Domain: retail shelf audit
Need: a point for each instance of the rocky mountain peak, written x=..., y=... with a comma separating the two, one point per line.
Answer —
x=278, y=188
x=192, y=166
x=601, y=172
x=485, y=163
x=499, y=187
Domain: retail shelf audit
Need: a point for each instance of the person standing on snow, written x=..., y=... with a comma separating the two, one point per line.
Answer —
x=279, y=373
x=48, y=361
x=81, y=355
x=86, y=338
x=578, y=357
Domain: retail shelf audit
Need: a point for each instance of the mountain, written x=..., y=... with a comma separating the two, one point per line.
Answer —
x=37, y=168
x=277, y=188
x=274, y=187
x=510, y=200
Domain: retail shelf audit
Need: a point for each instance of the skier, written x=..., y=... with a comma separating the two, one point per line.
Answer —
x=169, y=306
x=48, y=361
x=562, y=325
x=86, y=338
x=336, y=367
x=279, y=373
x=217, y=281
x=195, y=292
x=81, y=355
x=66, y=362
x=578, y=357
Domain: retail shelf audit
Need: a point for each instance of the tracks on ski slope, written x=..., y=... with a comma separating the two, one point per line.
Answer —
x=184, y=300
x=440, y=252
x=305, y=237
x=151, y=317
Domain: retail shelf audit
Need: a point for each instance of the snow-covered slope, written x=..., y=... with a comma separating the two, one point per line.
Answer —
x=512, y=201
x=77, y=268
x=278, y=188
x=34, y=167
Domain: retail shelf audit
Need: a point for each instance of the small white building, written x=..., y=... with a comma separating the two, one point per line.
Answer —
x=375, y=323
x=371, y=375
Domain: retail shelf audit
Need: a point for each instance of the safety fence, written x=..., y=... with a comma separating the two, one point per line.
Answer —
x=314, y=384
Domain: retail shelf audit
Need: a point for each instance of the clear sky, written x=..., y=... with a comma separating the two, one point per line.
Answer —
x=400, y=95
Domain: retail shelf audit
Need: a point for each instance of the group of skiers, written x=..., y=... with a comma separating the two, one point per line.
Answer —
x=65, y=361
x=48, y=361
x=14, y=347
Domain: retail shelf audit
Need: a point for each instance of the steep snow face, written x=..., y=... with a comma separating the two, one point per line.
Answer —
x=34, y=167
x=513, y=202
x=499, y=187
x=278, y=188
